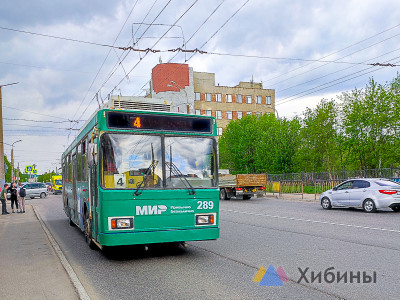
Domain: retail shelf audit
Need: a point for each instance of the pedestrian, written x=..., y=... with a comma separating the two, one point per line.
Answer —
x=3, y=198
x=21, y=198
x=14, y=197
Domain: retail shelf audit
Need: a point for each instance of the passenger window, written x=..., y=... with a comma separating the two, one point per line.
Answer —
x=346, y=185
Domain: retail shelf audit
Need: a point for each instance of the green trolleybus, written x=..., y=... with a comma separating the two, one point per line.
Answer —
x=142, y=177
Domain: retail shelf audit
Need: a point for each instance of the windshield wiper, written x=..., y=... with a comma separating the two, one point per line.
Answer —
x=175, y=171
x=149, y=170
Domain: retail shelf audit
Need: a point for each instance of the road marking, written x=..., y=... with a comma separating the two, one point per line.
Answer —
x=83, y=295
x=311, y=221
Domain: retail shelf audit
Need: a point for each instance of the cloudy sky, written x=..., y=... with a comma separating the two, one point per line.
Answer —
x=305, y=50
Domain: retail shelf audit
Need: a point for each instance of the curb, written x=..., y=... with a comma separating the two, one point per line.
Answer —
x=83, y=295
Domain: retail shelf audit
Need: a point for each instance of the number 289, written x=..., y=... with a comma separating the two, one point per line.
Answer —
x=205, y=205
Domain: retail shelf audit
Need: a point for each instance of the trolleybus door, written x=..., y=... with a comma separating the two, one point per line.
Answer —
x=74, y=178
x=94, y=203
x=93, y=187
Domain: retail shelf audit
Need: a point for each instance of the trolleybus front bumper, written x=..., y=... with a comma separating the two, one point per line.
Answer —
x=161, y=236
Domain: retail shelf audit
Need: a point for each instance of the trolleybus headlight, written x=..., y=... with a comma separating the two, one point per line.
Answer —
x=121, y=223
x=205, y=219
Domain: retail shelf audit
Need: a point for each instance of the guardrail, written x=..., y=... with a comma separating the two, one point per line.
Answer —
x=299, y=187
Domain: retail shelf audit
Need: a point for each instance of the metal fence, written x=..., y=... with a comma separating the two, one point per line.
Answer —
x=301, y=187
x=337, y=175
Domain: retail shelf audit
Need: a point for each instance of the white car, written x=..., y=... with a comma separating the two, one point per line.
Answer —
x=35, y=189
x=369, y=194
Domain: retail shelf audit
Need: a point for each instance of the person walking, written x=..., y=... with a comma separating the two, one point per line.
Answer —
x=14, y=197
x=3, y=199
x=21, y=197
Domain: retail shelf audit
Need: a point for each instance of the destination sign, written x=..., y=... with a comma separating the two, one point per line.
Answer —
x=137, y=121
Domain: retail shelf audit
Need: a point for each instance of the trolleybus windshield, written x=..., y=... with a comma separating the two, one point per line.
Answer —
x=132, y=161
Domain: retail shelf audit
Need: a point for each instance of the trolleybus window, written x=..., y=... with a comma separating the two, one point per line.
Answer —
x=192, y=158
x=131, y=160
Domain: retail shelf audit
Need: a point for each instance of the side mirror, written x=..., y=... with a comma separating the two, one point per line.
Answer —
x=335, y=188
x=94, y=152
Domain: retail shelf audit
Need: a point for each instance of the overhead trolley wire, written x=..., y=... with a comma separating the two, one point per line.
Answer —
x=214, y=32
x=312, y=90
x=112, y=72
x=352, y=45
x=329, y=74
x=197, y=30
x=109, y=51
x=115, y=68
x=336, y=60
x=145, y=54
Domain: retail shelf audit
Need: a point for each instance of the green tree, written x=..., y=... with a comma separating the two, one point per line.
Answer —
x=277, y=144
x=320, y=148
x=237, y=146
x=371, y=125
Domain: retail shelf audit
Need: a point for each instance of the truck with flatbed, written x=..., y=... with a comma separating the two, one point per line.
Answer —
x=241, y=185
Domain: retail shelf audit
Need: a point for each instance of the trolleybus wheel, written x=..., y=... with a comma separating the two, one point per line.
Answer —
x=88, y=232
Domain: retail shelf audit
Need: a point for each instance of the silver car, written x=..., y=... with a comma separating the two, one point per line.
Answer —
x=35, y=189
x=369, y=194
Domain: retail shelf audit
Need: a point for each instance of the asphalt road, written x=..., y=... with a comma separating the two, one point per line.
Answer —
x=254, y=233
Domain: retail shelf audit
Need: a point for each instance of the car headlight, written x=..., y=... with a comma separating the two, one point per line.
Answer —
x=205, y=219
x=121, y=223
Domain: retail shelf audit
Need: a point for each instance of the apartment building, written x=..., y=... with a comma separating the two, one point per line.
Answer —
x=196, y=93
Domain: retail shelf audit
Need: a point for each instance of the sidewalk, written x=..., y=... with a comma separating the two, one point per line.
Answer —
x=29, y=267
x=293, y=197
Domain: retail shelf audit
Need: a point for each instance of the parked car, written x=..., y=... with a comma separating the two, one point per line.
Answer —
x=369, y=194
x=35, y=189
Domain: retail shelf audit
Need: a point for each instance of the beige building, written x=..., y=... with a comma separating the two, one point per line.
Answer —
x=230, y=103
x=196, y=93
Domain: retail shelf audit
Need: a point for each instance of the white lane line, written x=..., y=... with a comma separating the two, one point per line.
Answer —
x=83, y=295
x=310, y=221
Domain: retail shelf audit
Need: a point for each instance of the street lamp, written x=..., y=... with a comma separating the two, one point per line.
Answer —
x=12, y=159
x=174, y=84
x=2, y=173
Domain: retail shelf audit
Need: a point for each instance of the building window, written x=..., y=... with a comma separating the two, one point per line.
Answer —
x=219, y=97
x=239, y=114
x=229, y=115
x=249, y=99
x=268, y=100
x=197, y=96
x=219, y=131
x=229, y=98
x=259, y=100
x=239, y=99
x=208, y=97
x=219, y=114
x=249, y=113
x=198, y=112
x=208, y=113
x=259, y=114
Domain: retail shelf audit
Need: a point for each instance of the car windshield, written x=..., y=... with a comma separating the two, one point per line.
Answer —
x=192, y=158
x=58, y=182
x=387, y=183
x=130, y=161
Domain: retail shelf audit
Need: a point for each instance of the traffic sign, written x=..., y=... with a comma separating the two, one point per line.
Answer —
x=28, y=169
x=34, y=171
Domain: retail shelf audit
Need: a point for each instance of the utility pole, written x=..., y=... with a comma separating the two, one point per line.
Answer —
x=12, y=160
x=17, y=175
x=2, y=171
x=12, y=164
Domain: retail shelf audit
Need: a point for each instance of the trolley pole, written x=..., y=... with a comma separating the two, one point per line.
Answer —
x=2, y=169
